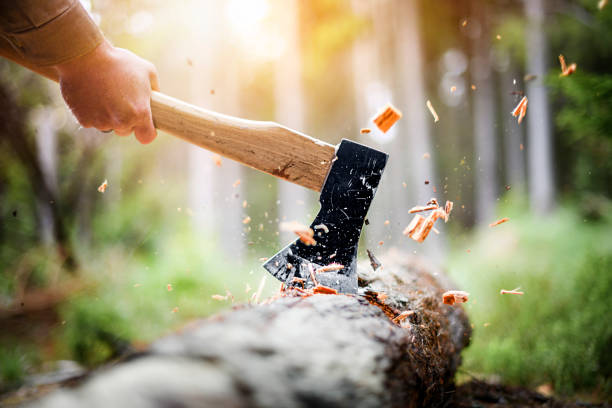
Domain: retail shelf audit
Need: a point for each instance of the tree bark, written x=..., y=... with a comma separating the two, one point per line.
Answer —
x=294, y=351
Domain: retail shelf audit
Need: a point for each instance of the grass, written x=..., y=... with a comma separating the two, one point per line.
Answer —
x=558, y=332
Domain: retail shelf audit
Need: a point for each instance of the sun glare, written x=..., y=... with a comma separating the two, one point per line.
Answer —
x=248, y=22
x=245, y=16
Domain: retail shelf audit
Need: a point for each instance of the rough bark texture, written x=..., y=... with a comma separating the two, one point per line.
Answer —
x=321, y=350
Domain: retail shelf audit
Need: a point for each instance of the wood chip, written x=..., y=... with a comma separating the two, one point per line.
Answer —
x=325, y=290
x=565, y=69
x=453, y=89
x=169, y=287
x=305, y=233
x=330, y=268
x=454, y=296
x=217, y=160
x=246, y=220
x=420, y=208
x=219, y=297
x=403, y=316
x=374, y=262
x=529, y=77
x=424, y=229
x=500, y=221
x=416, y=222
x=175, y=309
x=103, y=186
x=433, y=111
x=387, y=117
x=236, y=183
x=520, y=110
x=365, y=131
x=257, y=295
x=511, y=292
x=448, y=207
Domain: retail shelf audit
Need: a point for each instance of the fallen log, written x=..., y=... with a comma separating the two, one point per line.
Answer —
x=395, y=344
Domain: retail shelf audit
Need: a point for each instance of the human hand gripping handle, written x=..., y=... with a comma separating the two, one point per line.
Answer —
x=110, y=89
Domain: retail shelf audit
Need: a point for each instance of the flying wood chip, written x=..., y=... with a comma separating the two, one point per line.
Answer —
x=433, y=111
x=511, y=292
x=305, y=233
x=521, y=109
x=374, y=262
x=329, y=268
x=420, y=227
x=387, y=117
x=103, y=186
x=500, y=221
x=454, y=296
x=565, y=69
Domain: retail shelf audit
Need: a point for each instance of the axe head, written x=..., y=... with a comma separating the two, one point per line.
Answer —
x=345, y=198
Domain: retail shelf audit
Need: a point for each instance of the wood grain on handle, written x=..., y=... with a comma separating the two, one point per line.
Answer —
x=265, y=146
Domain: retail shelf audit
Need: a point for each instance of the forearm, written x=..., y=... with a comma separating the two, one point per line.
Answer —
x=44, y=33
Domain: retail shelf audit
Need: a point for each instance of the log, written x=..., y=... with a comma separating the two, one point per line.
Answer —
x=296, y=351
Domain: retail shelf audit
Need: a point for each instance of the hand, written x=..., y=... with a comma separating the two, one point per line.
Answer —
x=110, y=88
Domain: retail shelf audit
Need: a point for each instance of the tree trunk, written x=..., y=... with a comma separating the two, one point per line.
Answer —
x=46, y=152
x=484, y=114
x=294, y=351
x=539, y=134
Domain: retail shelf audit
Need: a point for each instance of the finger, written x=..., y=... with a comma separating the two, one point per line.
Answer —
x=123, y=132
x=153, y=79
x=145, y=132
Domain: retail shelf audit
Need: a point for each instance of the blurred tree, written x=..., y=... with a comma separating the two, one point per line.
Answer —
x=52, y=221
x=484, y=113
x=538, y=121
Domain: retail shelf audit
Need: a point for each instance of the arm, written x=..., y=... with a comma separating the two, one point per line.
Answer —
x=105, y=87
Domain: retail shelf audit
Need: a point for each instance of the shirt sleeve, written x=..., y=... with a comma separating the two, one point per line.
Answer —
x=47, y=32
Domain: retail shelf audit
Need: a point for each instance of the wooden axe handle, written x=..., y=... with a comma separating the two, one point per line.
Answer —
x=265, y=146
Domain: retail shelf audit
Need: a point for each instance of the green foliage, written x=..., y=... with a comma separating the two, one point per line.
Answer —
x=11, y=367
x=558, y=331
x=15, y=360
x=585, y=125
x=95, y=331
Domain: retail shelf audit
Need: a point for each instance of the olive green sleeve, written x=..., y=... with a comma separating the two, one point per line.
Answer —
x=46, y=32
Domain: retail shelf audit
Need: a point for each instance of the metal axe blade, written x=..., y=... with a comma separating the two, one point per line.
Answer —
x=345, y=199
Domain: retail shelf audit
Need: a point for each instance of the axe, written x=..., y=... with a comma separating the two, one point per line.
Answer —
x=347, y=175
